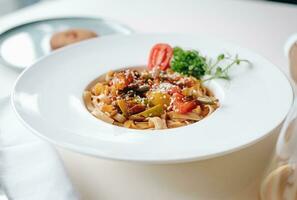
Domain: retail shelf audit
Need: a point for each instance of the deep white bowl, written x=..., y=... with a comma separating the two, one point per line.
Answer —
x=47, y=97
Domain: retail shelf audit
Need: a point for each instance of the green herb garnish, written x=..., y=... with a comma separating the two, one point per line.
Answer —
x=215, y=71
x=191, y=63
x=188, y=62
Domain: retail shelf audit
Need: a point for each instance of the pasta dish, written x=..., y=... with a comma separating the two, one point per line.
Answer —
x=152, y=97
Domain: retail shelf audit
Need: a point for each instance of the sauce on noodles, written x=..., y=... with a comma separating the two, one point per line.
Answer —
x=149, y=99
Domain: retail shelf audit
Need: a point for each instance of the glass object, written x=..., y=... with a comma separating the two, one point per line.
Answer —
x=280, y=181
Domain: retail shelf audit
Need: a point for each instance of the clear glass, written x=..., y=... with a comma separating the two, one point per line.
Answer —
x=280, y=180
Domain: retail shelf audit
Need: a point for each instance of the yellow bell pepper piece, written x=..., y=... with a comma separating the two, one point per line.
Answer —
x=123, y=106
x=153, y=111
x=158, y=98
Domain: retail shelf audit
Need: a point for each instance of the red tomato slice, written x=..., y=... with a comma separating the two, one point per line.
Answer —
x=182, y=107
x=177, y=97
x=160, y=55
x=185, y=107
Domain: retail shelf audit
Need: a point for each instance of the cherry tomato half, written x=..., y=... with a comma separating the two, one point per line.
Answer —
x=160, y=55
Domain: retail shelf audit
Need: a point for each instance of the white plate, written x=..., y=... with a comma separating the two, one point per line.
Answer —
x=48, y=99
x=24, y=44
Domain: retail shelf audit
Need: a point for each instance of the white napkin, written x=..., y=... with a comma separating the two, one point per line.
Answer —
x=30, y=168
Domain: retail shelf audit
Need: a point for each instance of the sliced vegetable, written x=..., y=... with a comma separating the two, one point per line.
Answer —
x=160, y=56
x=192, y=91
x=136, y=109
x=152, y=112
x=181, y=105
x=107, y=109
x=185, y=107
x=177, y=97
x=157, y=122
x=121, y=80
x=156, y=98
x=98, y=89
x=197, y=110
x=207, y=100
x=123, y=106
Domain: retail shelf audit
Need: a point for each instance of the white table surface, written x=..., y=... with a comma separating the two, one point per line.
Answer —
x=261, y=26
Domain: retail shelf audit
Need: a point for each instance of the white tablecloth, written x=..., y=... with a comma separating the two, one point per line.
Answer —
x=30, y=168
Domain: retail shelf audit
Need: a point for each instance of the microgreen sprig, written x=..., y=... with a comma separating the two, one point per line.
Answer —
x=215, y=71
x=192, y=63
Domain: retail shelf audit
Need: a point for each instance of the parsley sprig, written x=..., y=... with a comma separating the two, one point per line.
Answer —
x=191, y=63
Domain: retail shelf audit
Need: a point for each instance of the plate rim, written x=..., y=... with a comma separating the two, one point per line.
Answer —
x=154, y=161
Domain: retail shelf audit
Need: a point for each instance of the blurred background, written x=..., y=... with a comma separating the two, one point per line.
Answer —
x=8, y=6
